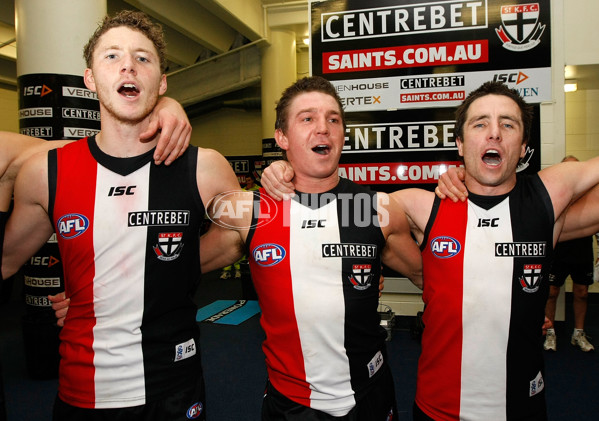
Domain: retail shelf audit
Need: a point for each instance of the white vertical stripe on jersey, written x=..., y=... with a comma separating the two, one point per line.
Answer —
x=486, y=315
x=119, y=279
x=320, y=316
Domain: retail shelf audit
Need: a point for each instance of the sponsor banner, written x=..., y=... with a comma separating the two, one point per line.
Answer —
x=398, y=57
x=401, y=67
x=383, y=39
x=53, y=106
x=443, y=90
x=396, y=172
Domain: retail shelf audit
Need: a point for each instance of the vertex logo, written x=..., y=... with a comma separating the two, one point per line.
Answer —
x=41, y=91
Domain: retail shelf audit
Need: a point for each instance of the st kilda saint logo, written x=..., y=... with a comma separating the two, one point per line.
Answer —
x=520, y=29
x=169, y=245
x=531, y=278
x=361, y=276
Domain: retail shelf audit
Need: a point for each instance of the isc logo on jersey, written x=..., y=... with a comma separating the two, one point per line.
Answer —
x=445, y=247
x=72, y=225
x=268, y=254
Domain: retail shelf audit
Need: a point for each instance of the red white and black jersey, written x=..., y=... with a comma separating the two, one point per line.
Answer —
x=315, y=263
x=486, y=263
x=127, y=231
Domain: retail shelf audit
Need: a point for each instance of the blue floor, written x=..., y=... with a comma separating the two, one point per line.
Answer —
x=235, y=372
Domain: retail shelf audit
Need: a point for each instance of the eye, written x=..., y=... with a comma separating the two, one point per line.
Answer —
x=143, y=59
x=111, y=56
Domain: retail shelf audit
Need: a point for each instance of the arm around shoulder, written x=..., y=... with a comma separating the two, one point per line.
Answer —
x=401, y=252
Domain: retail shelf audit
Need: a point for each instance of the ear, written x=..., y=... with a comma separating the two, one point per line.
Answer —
x=162, y=89
x=523, y=150
x=460, y=144
x=281, y=139
x=88, y=79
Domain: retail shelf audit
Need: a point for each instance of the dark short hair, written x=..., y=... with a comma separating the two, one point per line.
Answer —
x=494, y=88
x=306, y=84
x=138, y=21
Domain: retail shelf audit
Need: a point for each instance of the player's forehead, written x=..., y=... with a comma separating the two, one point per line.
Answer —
x=491, y=105
x=314, y=101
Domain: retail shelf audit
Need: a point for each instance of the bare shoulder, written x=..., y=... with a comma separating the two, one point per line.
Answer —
x=16, y=148
x=417, y=205
x=413, y=200
x=214, y=174
x=13, y=151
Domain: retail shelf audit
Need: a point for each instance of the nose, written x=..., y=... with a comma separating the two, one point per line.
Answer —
x=128, y=65
x=495, y=131
x=322, y=126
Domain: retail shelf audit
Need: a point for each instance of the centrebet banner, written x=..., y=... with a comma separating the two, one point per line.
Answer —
x=385, y=54
x=402, y=66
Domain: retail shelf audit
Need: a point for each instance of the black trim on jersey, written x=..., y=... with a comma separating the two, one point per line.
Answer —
x=121, y=166
x=487, y=202
x=431, y=220
x=257, y=198
x=52, y=172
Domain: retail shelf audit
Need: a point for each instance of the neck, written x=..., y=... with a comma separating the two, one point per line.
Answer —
x=315, y=185
x=489, y=190
x=122, y=140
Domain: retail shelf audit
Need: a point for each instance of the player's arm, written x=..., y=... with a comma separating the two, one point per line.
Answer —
x=568, y=181
x=229, y=207
x=276, y=180
x=169, y=121
x=15, y=149
x=401, y=252
x=582, y=217
x=29, y=226
x=220, y=247
x=214, y=175
x=417, y=205
x=231, y=215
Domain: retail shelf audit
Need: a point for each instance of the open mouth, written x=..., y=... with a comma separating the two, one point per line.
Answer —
x=492, y=157
x=321, y=149
x=128, y=90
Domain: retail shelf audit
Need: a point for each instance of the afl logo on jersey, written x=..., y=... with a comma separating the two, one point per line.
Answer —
x=268, y=254
x=445, y=247
x=72, y=225
x=195, y=410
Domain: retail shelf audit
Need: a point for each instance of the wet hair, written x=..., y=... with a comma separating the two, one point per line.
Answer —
x=494, y=88
x=138, y=21
x=306, y=84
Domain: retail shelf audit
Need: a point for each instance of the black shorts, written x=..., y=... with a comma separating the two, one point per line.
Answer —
x=183, y=405
x=580, y=271
x=377, y=404
x=419, y=415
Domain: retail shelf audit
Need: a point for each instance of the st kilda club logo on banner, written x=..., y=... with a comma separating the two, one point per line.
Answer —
x=520, y=28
